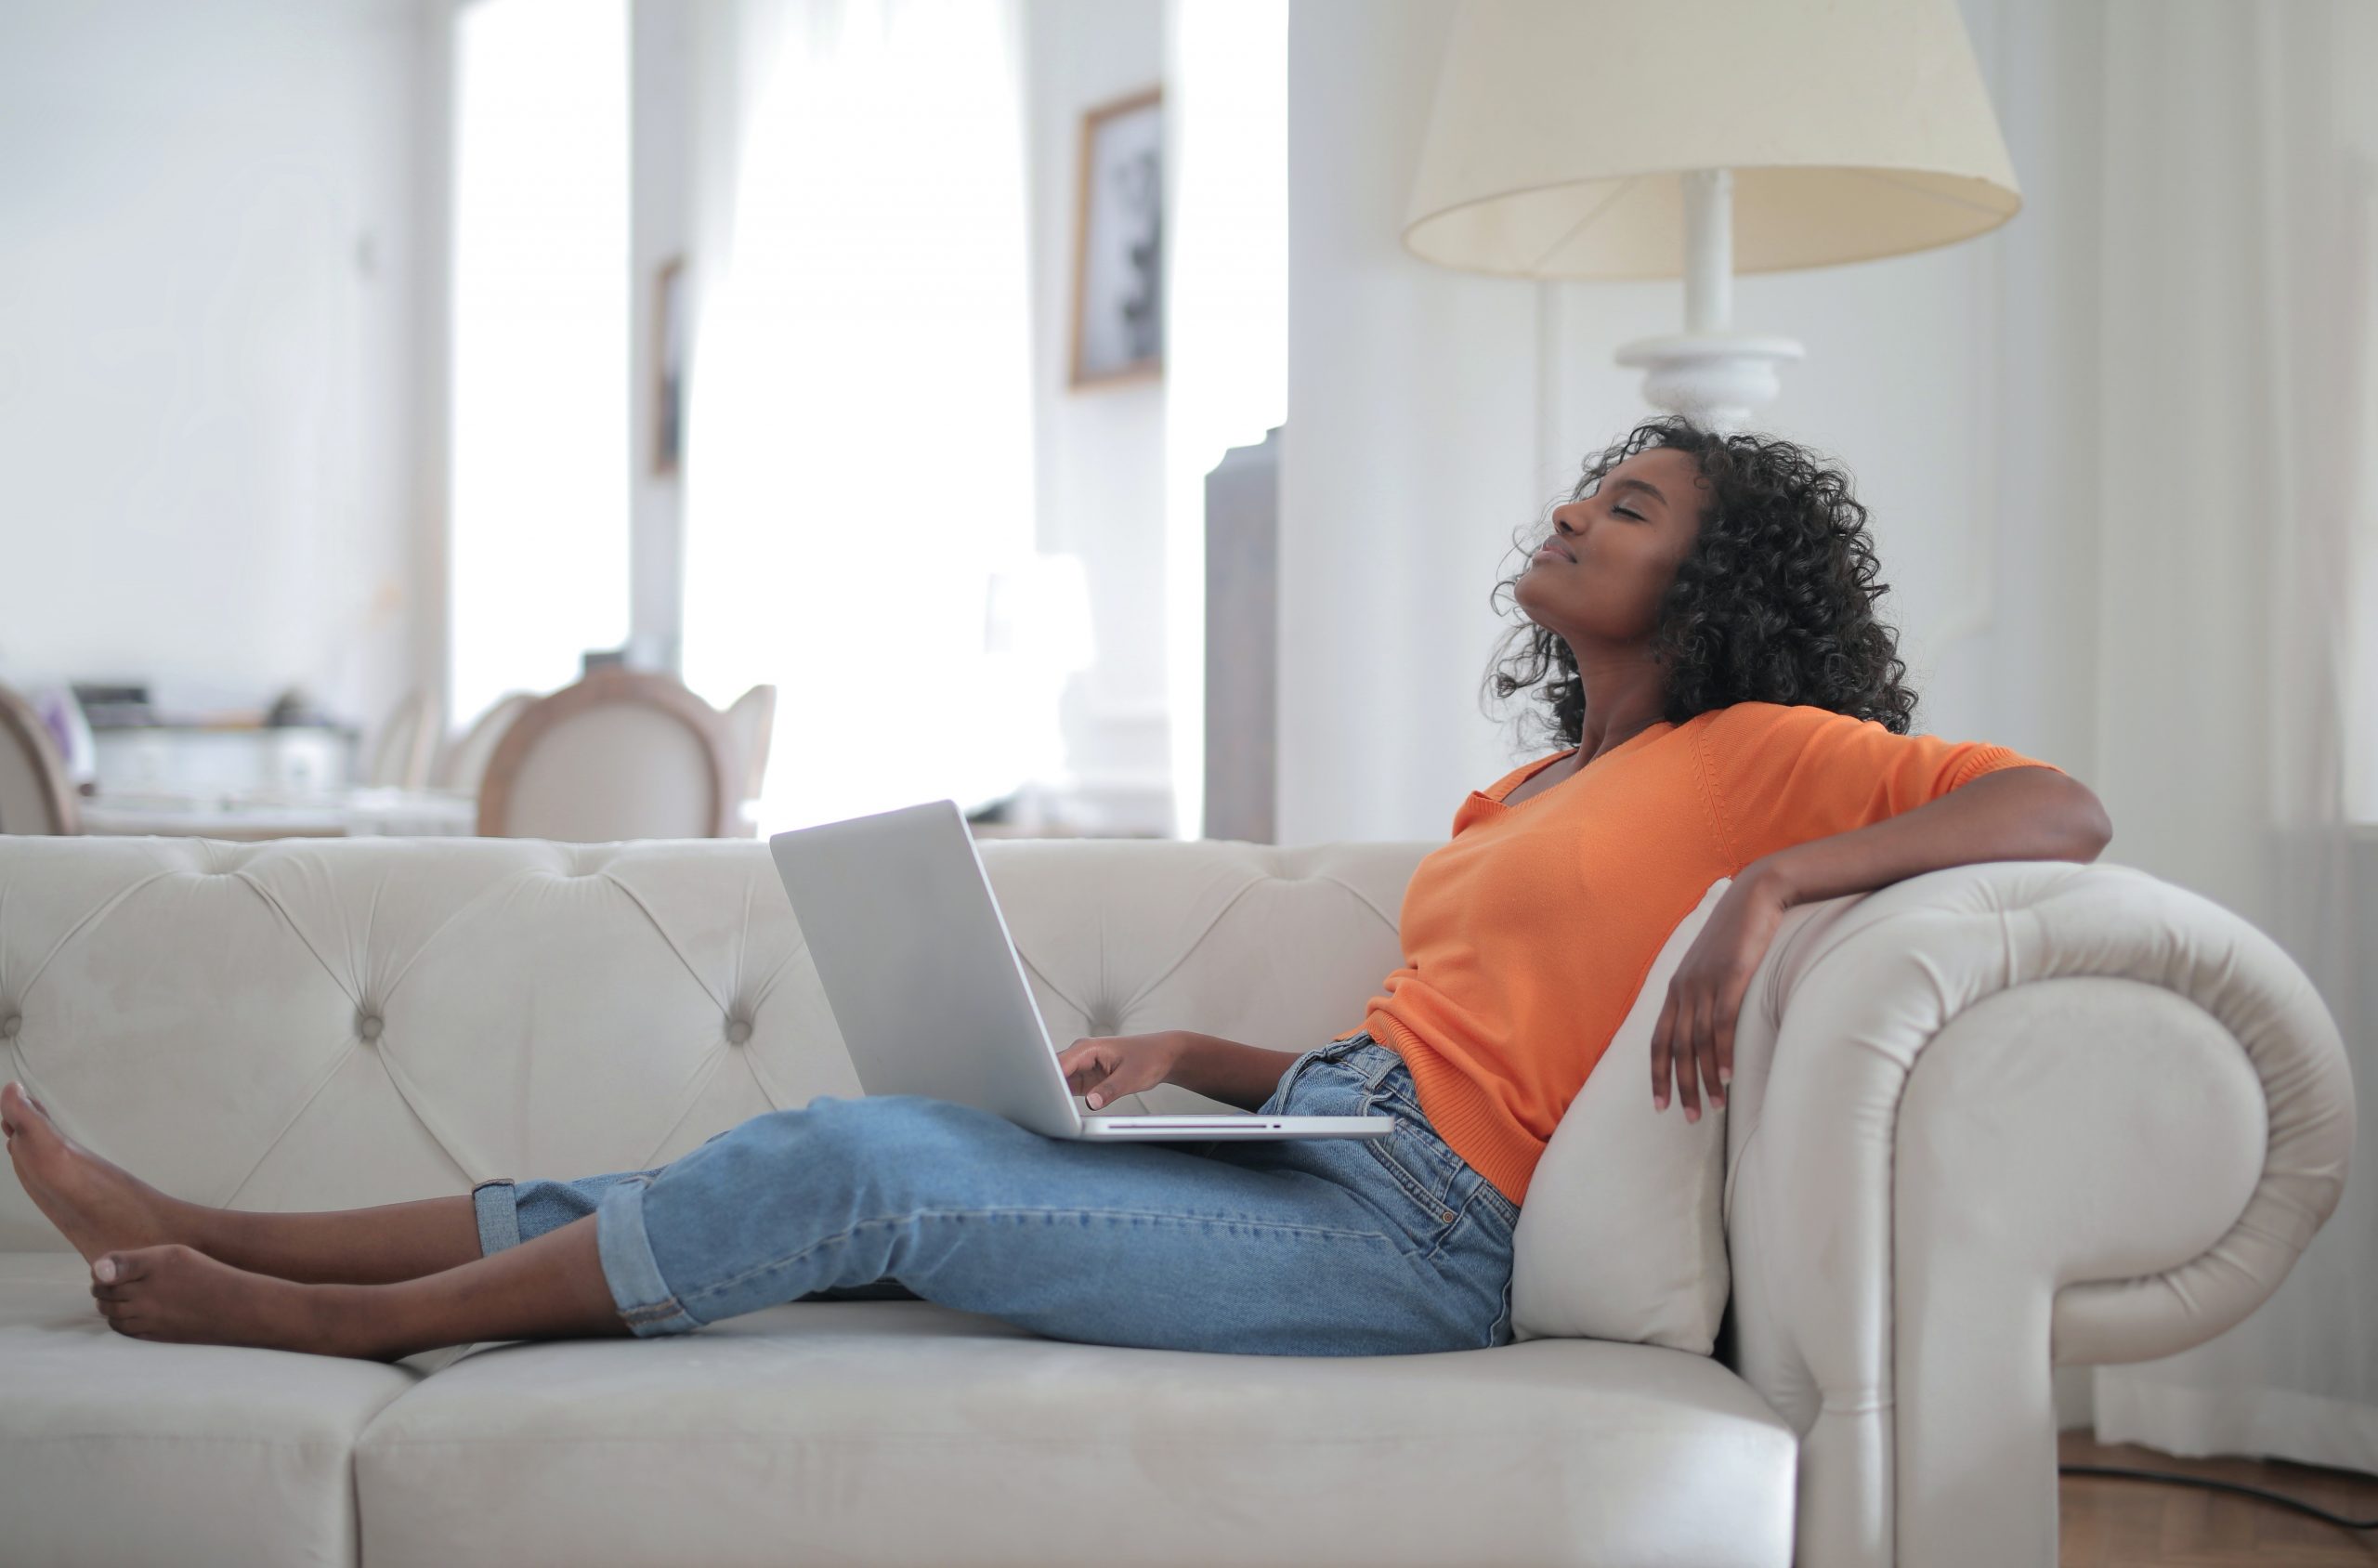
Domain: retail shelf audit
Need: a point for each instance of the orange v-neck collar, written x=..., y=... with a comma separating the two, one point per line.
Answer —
x=1648, y=731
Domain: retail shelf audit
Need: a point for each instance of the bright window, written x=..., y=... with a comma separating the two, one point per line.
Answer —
x=539, y=555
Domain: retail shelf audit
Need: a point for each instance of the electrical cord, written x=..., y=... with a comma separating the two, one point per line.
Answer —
x=2222, y=1486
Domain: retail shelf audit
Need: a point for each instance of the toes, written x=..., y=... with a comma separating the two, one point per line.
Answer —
x=134, y=1264
x=117, y=1277
x=26, y=1110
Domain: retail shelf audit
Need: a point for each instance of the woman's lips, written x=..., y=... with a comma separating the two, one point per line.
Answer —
x=1547, y=553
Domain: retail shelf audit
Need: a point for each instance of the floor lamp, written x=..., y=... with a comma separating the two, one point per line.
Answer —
x=1659, y=138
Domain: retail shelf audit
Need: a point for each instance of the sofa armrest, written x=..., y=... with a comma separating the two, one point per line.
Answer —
x=2013, y=1114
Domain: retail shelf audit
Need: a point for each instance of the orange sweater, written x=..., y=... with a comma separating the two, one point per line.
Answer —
x=1527, y=937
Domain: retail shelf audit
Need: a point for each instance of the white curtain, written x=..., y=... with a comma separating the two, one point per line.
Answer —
x=2236, y=357
x=858, y=426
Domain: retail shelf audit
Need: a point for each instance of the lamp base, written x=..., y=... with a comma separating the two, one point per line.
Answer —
x=1717, y=379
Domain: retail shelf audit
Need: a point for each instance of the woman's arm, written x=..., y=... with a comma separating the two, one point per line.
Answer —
x=2021, y=813
x=1224, y=1069
x=2012, y=814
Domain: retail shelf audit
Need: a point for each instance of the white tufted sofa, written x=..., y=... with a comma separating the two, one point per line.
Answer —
x=1984, y=1120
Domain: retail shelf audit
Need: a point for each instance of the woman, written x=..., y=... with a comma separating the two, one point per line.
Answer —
x=1728, y=706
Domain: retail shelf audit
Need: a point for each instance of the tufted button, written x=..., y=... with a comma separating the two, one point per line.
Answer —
x=739, y=1030
x=10, y=1026
x=368, y=1026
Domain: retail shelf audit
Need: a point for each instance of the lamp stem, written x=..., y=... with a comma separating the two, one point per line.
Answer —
x=1710, y=372
x=1709, y=249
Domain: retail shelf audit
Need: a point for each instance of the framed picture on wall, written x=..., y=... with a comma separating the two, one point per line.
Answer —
x=1118, y=243
x=669, y=367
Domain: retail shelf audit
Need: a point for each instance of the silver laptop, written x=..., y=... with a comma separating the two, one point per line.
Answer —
x=930, y=994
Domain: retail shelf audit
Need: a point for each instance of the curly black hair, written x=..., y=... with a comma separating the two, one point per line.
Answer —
x=1774, y=603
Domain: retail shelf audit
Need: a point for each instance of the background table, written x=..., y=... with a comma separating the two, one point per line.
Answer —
x=352, y=812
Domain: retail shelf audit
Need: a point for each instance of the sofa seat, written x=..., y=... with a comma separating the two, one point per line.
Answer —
x=150, y=1453
x=904, y=1431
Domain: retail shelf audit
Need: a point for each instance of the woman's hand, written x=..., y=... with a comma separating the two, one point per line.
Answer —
x=1697, y=1027
x=1109, y=1066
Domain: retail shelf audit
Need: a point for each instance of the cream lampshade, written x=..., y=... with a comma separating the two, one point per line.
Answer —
x=1657, y=138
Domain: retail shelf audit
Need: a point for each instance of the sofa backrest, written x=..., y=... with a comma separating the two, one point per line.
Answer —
x=330, y=1024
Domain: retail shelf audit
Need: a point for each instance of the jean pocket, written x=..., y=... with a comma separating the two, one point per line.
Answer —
x=1422, y=1201
x=1397, y=1094
x=1426, y=1153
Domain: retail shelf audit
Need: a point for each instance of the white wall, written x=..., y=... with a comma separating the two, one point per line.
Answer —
x=209, y=348
x=1099, y=450
x=1411, y=444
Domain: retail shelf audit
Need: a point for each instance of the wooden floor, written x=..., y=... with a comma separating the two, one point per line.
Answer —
x=2114, y=1522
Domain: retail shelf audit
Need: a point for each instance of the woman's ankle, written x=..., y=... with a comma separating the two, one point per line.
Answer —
x=196, y=1225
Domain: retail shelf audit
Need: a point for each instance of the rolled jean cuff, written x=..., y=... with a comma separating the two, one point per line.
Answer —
x=645, y=1303
x=499, y=1215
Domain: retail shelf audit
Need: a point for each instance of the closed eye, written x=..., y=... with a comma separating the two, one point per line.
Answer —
x=1625, y=512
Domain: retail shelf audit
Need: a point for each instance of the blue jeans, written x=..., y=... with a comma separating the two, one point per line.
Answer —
x=1301, y=1247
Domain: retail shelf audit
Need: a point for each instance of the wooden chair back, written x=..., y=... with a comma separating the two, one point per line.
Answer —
x=36, y=795
x=623, y=754
x=462, y=765
x=407, y=743
x=752, y=717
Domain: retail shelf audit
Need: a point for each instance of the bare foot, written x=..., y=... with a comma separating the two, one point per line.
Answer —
x=96, y=1204
x=180, y=1294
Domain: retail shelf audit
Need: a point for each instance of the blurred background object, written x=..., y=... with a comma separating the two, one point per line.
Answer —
x=63, y=716
x=620, y=754
x=36, y=793
x=463, y=761
x=752, y=721
x=407, y=743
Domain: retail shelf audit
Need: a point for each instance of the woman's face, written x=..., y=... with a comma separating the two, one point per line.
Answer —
x=1627, y=537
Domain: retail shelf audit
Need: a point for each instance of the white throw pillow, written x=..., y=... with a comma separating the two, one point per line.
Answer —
x=1623, y=1234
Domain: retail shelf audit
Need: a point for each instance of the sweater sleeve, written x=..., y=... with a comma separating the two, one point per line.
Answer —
x=1783, y=774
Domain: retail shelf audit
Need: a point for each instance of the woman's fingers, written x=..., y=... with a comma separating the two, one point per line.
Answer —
x=1688, y=1070
x=1082, y=1064
x=1109, y=1067
x=1704, y=1051
x=1088, y=1063
x=1663, y=1034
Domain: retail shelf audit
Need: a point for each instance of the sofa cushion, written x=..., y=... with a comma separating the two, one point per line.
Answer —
x=116, y=1450
x=905, y=1432
x=1623, y=1236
